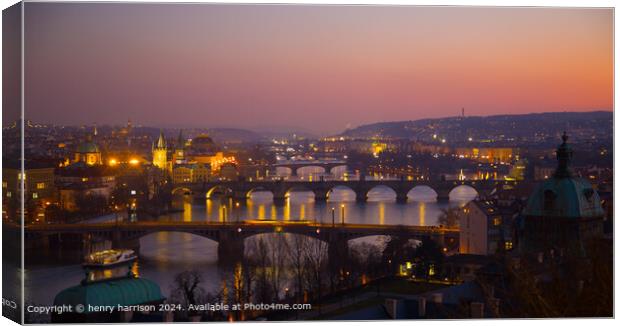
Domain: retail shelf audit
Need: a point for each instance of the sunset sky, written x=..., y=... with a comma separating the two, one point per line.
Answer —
x=321, y=68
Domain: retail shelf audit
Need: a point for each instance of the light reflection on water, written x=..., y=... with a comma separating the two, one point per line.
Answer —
x=165, y=254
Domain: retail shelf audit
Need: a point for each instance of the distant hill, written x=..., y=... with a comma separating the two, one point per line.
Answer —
x=234, y=135
x=526, y=127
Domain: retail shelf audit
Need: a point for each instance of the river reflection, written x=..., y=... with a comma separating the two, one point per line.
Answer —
x=165, y=254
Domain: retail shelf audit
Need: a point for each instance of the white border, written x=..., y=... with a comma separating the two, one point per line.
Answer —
x=505, y=3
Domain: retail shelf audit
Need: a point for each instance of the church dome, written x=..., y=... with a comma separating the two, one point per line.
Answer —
x=564, y=195
x=203, y=144
x=124, y=292
x=202, y=139
x=88, y=147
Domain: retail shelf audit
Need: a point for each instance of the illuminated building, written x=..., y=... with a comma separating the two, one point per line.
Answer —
x=88, y=152
x=228, y=171
x=487, y=154
x=483, y=228
x=160, y=152
x=203, y=150
x=38, y=185
x=195, y=172
x=85, y=177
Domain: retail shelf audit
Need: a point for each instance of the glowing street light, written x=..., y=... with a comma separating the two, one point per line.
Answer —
x=333, y=216
x=237, y=211
x=342, y=213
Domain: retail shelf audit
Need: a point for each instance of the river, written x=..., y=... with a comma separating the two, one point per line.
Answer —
x=163, y=255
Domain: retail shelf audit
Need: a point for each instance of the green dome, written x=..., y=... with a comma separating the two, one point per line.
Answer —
x=88, y=147
x=124, y=292
x=564, y=197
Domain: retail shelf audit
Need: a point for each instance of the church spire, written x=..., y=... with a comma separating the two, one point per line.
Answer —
x=564, y=155
x=180, y=140
x=161, y=141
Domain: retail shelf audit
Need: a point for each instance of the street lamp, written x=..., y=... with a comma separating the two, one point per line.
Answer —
x=333, y=216
x=224, y=214
x=342, y=213
x=237, y=213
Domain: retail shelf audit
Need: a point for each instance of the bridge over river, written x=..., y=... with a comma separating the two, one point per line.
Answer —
x=230, y=236
x=241, y=190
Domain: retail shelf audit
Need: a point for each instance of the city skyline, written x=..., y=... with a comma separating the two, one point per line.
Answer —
x=159, y=64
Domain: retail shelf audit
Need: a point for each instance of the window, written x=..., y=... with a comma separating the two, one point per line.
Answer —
x=35, y=195
x=41, y=185
x=508, y=245
x=4, y=184
x=497, y=221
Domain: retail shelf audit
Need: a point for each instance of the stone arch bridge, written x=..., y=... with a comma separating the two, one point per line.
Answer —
x=230, y=236
x=241, y=190
x=294, y=166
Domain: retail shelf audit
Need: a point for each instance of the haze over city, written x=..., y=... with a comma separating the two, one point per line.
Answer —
x=338, y=67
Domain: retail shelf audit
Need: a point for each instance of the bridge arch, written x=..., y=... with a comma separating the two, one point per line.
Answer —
x=463, y=192
x=296, y=188
x=217, y=188
x=303, y=169
x=332, y=168
x=249, y=193
x=381, y=193
x=211, y=236
x=284, y=171
x=181, y=190
x=423, y=193
x=341, y=193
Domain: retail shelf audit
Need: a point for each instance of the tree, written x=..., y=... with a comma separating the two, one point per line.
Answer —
x=278, y=247
x=397, y=251
x=428, y=259
x=187, y=290
x=316, y=265
x=449, y=217
x=259, y=259
x=296, y=251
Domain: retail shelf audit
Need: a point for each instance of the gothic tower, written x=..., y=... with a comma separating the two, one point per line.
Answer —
x=179, y=150
x=160, y=152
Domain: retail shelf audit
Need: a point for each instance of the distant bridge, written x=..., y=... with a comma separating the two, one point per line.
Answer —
x=230, y=236
x=241, y=190
x=294, y=166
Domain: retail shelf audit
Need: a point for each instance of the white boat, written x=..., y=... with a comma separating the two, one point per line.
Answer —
x=111, y=257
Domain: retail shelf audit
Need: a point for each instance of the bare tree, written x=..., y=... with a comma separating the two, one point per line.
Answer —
x=449, y=217
x=278, y=247
x=316, y=265
x=296, y=251
x=187, y=290
x=259, y=258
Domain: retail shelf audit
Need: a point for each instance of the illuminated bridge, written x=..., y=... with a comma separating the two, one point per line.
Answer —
x=294, y=166
x=230, y=236
x=241, y=190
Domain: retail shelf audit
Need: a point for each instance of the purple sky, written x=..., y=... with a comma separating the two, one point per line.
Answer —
x=322, y=68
